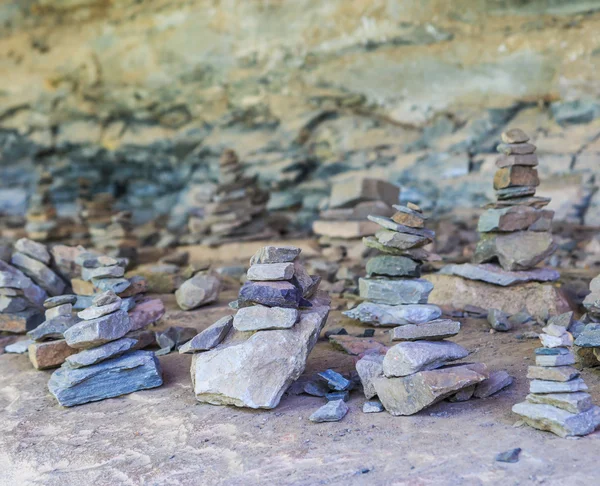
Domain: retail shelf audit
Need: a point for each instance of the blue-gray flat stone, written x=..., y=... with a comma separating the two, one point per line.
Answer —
x=590, y=337
x=331, y=412
x=271, y=294
x=395, y=292
x=33, y=249
x=334, y=380
x=54, y=328
x=88, y=334
x=393, y=315
x=208, y=338
x=39, y=273
x=496, y=275
x=60, y=300
x=137, y=370
x=391, y=225
x=117, y=285
x=92, y=356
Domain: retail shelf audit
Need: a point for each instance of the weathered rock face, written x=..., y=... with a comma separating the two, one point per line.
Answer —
x=256, y=372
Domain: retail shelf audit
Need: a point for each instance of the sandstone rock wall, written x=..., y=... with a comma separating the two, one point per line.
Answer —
x=142, y=96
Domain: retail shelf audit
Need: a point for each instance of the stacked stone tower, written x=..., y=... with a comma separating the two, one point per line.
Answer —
x=41, y=224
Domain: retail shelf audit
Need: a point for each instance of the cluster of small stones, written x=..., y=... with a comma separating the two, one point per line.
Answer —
x=516, y=229
x=103, y=356
x=251, y=358
x=412, y=374
x=350, y=202
x=558, y=401
x=25, y=284
x=588, y=340
x=41, y=219
x=234, y=210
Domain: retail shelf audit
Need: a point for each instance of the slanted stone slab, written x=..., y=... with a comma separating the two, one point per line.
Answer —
x=498, y=380
x=571, y=402
x=558, y=421
x=50, y=354
x=114, y=271
x=332, y=411
x=369, y=368
x=52, y=328
x=275, y=254
x=88, y=334
x=210, y=337
x=566, y=340
x=393, y=315
x=411, y=394
x=590, y=337
x=33, y=249
x=410, y=357
x=395, y=292
x=94, y=312
x=109, y=350
x=432, y=331
x=344, y=229
x=134, y=371
x=256, y=372
x=552, y=373
x=516, y=176
x=401, y=241
x=391, y=225
x=39, y=273
x=539, y=300
x=261, y=318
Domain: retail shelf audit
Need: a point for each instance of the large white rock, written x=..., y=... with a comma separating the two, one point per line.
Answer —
x=261, y=318
x=256, y=372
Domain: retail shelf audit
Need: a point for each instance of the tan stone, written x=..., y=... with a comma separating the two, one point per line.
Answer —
x=49, y=354
x=540, y=300
x=516, y=175
x=408, y=220
x=345, y=229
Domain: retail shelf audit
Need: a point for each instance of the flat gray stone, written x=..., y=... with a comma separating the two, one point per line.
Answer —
x=543, y=386
x=433, y=331
x=8, y=305
x=94, y=312
x=109, y=350
x=117, y=285
x=515, y=218
x=498, y=320
x=210, y=337
x=395, y=292
x=369, y=368
x=558, y=421
x=173, y=337
x=411, y=394
x=589, y=337
x=271, y=271
x=410, y=357
x=134, y=371
x=393, y=315
x=393, y=266
x=59, y=310
x=114, y=271
x=39, y=273
x=498, y=380
x=20, y=347
x=496, y=275
x=261, y=318
x=198, y=291
x=275, y=254
x=391, y=225
x=33, y=249
x=400, y=241
x=256, y=372
x=54, y=328
x=332, y=411
x=88, y=334
x=94, y=260
x=555, y=360
x=571, y=402
x=145, y=313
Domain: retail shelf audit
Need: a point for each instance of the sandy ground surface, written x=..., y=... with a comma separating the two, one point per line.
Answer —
x=164, y=437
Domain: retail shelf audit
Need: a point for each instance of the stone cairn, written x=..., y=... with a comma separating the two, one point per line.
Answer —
x=117, y=238
x=41, y=223
x=411, y=375
x=516, y=230
x=344, y=222
x=236, y=210
x=105, y=358
x=588, y=339
x=251, y=358
x=25, y=284
x=557, y=400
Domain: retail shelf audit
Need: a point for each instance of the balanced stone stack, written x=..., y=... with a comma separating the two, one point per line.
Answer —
x=96, y=211
x=344, y=222
x=237, y=208
x=558, y=401
x=106, y=362
x=117, y=238
x=515, y=235
x=251, y=358
x=21, y=295
x=588, y=340
x=411, y=376
x=41, y=220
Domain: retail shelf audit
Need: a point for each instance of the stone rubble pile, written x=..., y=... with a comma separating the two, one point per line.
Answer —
x=412, y=375
x=251, y=358
x=41, y=218
x=25, y=284
x=558, y=401
x=344, y=222
x=234, y=210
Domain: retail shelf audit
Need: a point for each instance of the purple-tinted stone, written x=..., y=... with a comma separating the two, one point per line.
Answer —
x=271, y=294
